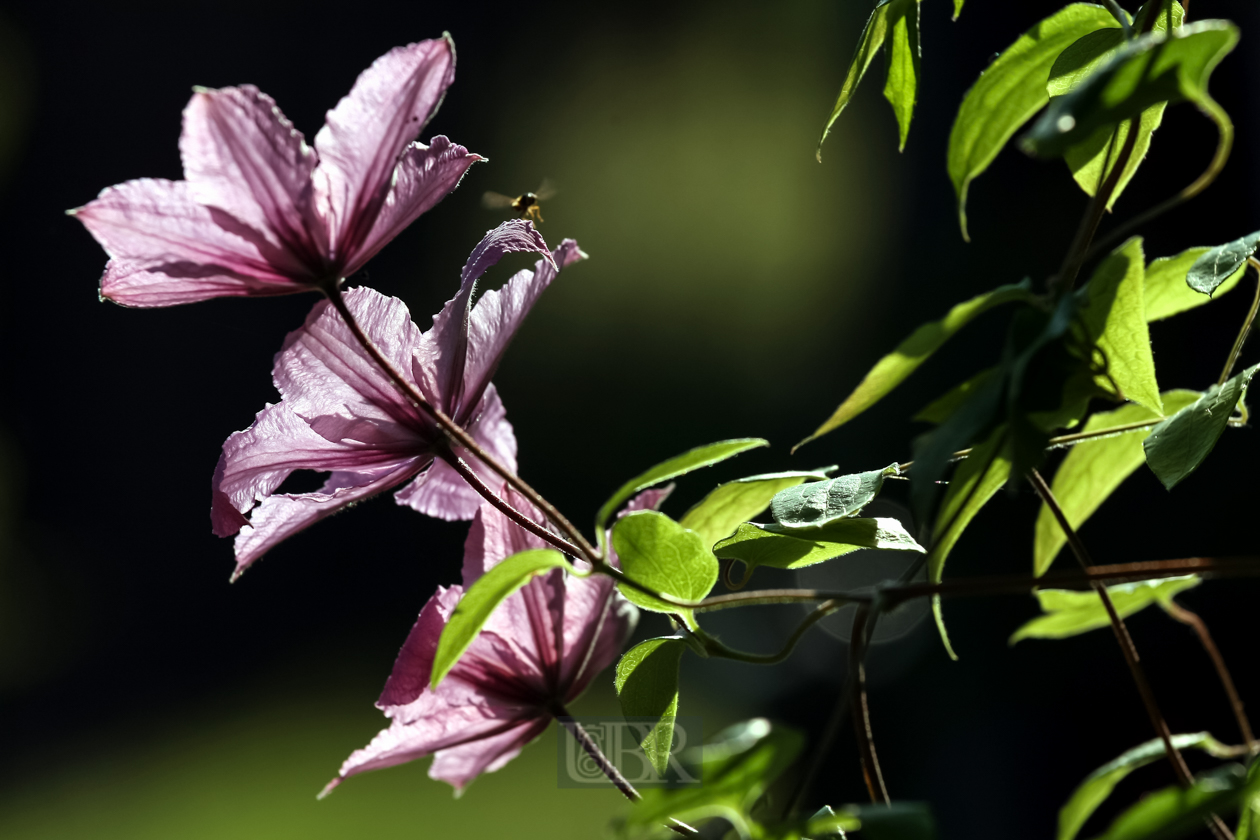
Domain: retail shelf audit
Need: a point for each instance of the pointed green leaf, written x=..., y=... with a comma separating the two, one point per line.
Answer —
x=1070, y=613
x=1011, y=91
x=661, y=554
x=490, y=590
x=1166, y=291
x=647, y=686
x=896, y=821
x=1114, y=312
x=890, y=371
x=1157, y=67
x=737, y=767
x=1094, y=468
x=718, y=514
x=795, y=548
x=940, y=409
x=1177, y=446
x=873, y=36
x=974, y=483
x=1249, y=820
x=702, y=456
x=1098, y=785
x=958, y=4
x=902, y=84
x=828, y=823
x=1086, y=160
x=1179, y=812
x=1218, y=264
x=824, y=501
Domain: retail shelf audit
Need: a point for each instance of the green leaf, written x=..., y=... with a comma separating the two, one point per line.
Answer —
x=1086, y=159
x=720, y=513
x=1249, y=820
x=974, y=483
x=1157, y=67
x=702, y=456
x=1070, y=613
x=887, y=15
x=1178, y=445
x=1114, y=312
x=490, y=590
x=958, y=4
x=1010, y=92
x=795, y=548
x=1098, y=785
x=827, y=823
x=1218, y=264
x=661, y=554
x=824, y=501
x=1093, y=469
x=939, y=410
x=1176, y=812
x=902, y=84
x=1166, y=291
x=890, y=371
x=647, y=686
x=737, y=767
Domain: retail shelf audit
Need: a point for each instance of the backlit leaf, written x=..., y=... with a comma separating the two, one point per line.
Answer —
x=702, y=456
x=1178, y=812
x=974, y=483
x=1093, y=469
x=1156, y=67
x=490, y=590
x=718, y=514
x=647, y=686
x=1177, y=446
x=661, y=554
x=795, y=548
x=824, y=501
x=1167, y=293
x=1011, y=91
x=890, y=371
x=1098, y=785
x=1214, y=267
x=886, y=17
x=901, y=87
x=939, y=410
x=1114, y=312
x=1070, y=613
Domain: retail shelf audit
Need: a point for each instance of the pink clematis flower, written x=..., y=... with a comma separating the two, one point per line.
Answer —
x=342, y=414
x=259, y=211
x=539, y=650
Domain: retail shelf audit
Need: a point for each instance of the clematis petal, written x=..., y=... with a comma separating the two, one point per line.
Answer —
x=499, y=313
x=441, y=492
x=257, y=460
x=597, y=624
x=444, y=352
x=241, y=155
x=156, y=225
x=414, y=664
x=129, y=284
x=280, y=516
x=425, y=175
x=364, y=136
x=493, y=537
x=467, y=740
x=322, y=370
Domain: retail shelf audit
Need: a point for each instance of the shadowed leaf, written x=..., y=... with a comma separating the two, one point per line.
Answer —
x=1177, y=446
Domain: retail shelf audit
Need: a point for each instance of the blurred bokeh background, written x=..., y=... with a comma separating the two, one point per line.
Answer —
x=735, y=288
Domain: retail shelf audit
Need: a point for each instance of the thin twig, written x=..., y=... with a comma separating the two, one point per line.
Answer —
x=1127, y=648
x=715, y=648
x=456, y=431
x=861, y=717
x=1246, y=328
x=1192, y=619
x=608, y=768
x=469, y=475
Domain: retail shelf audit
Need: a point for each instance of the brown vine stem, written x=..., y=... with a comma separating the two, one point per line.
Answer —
x=862, y=716
x=1199, y=626
x=1127, y=648
x=609, y=769
x=333, y=292
x=1246, y=328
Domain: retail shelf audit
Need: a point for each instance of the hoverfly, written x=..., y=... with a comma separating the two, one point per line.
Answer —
x=528, y=205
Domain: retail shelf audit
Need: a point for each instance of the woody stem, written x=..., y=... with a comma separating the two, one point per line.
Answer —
x=580, y=545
